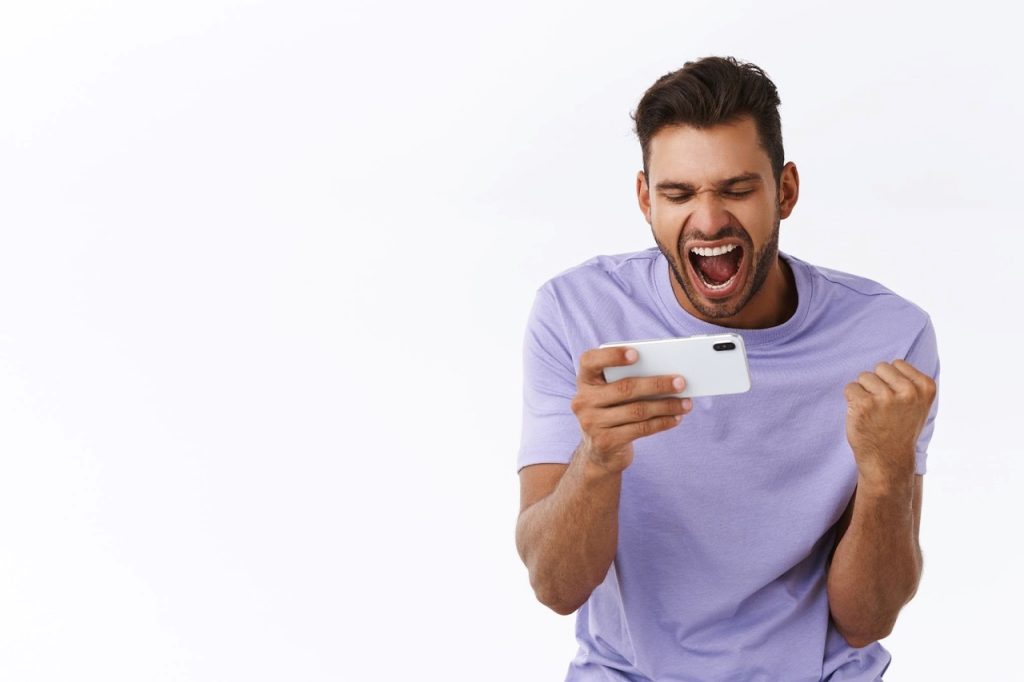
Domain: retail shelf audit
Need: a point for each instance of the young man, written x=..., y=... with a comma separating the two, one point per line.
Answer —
x=767, y=535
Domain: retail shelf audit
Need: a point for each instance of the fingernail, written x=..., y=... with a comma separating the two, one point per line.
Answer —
x=687, y=403
x=631, y=355
x=678, y=383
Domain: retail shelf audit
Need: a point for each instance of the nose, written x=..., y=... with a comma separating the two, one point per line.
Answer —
x=708, y=213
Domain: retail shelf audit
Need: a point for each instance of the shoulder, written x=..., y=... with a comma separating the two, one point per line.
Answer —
x=855, y=295
x=596, y=298
x=606, y=273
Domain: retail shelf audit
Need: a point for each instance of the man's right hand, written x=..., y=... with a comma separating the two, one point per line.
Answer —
x=613, y=415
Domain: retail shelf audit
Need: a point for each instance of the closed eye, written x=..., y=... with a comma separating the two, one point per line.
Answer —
x=684, y=197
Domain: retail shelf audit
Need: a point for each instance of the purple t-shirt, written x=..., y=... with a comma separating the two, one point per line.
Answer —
x=725, y=521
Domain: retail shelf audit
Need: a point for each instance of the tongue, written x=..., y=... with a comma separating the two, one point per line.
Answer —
x=718, y=269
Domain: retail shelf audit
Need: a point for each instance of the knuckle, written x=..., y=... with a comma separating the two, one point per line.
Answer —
x=644, y=428
x=638, y=409
x=625, y=386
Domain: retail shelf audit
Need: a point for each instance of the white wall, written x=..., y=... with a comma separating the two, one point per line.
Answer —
x=265, y=269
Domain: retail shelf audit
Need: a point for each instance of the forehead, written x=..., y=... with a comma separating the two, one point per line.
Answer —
x=688, y=154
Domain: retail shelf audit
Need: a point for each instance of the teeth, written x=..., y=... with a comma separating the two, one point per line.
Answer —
x=717, y=251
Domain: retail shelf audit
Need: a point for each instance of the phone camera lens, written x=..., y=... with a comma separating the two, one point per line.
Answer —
x=724, y=346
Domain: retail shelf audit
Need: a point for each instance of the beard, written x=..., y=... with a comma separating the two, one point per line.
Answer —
x=760, y=263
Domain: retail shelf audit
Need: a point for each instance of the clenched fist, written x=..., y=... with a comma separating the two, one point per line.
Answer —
x=886, y=410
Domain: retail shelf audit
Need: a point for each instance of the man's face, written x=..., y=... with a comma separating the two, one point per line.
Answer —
x=713, y=189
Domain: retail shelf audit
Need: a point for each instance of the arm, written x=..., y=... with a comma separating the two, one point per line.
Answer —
x=876, y=566
x=877, y=563
x=567, y=537
x=567, y=531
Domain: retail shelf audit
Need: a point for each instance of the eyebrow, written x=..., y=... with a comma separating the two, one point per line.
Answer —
x=685, y=186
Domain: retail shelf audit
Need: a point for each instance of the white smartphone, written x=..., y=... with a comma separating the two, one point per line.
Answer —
x=711, y=364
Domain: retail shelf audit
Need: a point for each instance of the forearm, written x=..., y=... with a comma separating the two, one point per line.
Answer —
x=567, y=540
x=877, y=565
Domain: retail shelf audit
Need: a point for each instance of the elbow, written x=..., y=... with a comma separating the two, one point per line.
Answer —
x=860, y=640
x=882, y=630
x=562, y=608
x=561, y=597
x=554, y=599
x=554, y=587
x=550, y=591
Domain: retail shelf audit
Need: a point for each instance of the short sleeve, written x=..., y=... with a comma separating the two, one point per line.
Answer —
x=924, y=356
x=550, y=430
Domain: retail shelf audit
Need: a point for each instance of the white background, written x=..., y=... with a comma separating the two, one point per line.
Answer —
x=264, y=277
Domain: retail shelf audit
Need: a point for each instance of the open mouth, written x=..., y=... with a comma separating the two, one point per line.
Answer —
x=717, y=267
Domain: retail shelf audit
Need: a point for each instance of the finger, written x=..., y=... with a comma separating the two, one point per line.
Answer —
x=873, y=384
x=594, y=360
x=920, y=379
x=631, y=431
x=897, y=381
x=854, y=392
x=635, y=388
x=642, y=410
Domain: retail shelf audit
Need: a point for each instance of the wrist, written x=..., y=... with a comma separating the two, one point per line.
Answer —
x=596, y=468
x=891, y=471
x=890, y=484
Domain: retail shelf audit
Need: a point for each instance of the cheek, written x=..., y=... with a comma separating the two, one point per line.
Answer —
x=758, y=220
x=758, y=212
x=667, y=221
x=665, y=225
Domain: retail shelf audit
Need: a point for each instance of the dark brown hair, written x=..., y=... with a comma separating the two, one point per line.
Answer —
x=708, y=92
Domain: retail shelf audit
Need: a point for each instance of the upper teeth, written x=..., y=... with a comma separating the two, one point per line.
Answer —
x=717, y=251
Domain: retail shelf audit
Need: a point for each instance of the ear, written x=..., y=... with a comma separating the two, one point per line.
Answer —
x=789, y=189
x=643, y=196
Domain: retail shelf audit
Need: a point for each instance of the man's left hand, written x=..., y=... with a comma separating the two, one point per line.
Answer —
x=886, y=410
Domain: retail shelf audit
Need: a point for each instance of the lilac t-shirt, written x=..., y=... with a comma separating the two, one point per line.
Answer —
x=726, y=520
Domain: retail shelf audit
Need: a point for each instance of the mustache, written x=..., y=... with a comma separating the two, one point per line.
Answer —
x=724, y=233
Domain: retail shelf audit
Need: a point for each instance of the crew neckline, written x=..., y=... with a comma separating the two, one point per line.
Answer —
x=751, y=337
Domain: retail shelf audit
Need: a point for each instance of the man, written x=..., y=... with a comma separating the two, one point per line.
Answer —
x=767, y=535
